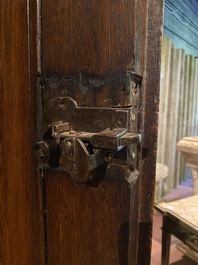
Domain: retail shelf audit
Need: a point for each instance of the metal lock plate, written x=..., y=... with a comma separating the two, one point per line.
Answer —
x=80, y=139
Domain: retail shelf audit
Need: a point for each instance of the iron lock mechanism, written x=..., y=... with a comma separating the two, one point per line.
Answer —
x=81, y=139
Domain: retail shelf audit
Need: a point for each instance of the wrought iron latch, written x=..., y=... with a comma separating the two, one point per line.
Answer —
x=81, y=139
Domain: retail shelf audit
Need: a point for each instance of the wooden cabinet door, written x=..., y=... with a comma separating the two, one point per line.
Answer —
x=89, y=44
x=100, y=53
x=21, y=225
x=103, y=53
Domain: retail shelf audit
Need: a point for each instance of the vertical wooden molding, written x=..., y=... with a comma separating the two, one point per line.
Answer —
x=20, y=224
x=153, y=20
x=35, y=69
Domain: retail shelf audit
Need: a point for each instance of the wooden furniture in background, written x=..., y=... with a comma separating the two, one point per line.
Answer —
x=188, y=147
x=180, y=218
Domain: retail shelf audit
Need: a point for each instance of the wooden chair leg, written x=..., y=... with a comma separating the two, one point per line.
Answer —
x=166, y=239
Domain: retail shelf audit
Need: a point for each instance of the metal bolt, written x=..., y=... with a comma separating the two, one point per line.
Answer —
x=72, y=132
x=133, y=155
x=54, y=134
x=68, y=145
x=133, y=117
x=109, y=157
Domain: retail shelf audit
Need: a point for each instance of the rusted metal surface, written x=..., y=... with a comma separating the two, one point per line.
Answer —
x=77, y=161
x=120, y=89
x=84, y=118
x=81, y=147
x=114, y=139
x=41, y=152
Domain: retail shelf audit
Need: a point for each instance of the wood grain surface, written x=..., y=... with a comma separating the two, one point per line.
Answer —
x=105, y=37
x=85, y=225
x=151, y=21
x=21, y=237
x=88, y=225
x=88, y=36
x=92, y=40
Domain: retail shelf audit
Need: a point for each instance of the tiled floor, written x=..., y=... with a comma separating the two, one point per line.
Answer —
x=176, y=257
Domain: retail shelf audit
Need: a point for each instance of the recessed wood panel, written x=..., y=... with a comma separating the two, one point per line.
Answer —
x=87, y=40
x=88, y=36
x=88, y=225
x=91, y=44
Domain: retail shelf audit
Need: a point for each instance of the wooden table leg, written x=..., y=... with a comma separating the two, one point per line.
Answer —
x=166, y=239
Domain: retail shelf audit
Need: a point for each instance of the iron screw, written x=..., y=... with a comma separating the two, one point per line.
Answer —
x=68, y=145
x=40, y=154
x=109, y=157
x=133, y=117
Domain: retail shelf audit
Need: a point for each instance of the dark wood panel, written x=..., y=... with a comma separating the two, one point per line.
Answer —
x=93, y=37
x=21, y=236
x=88, y=225
x=90, y=44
